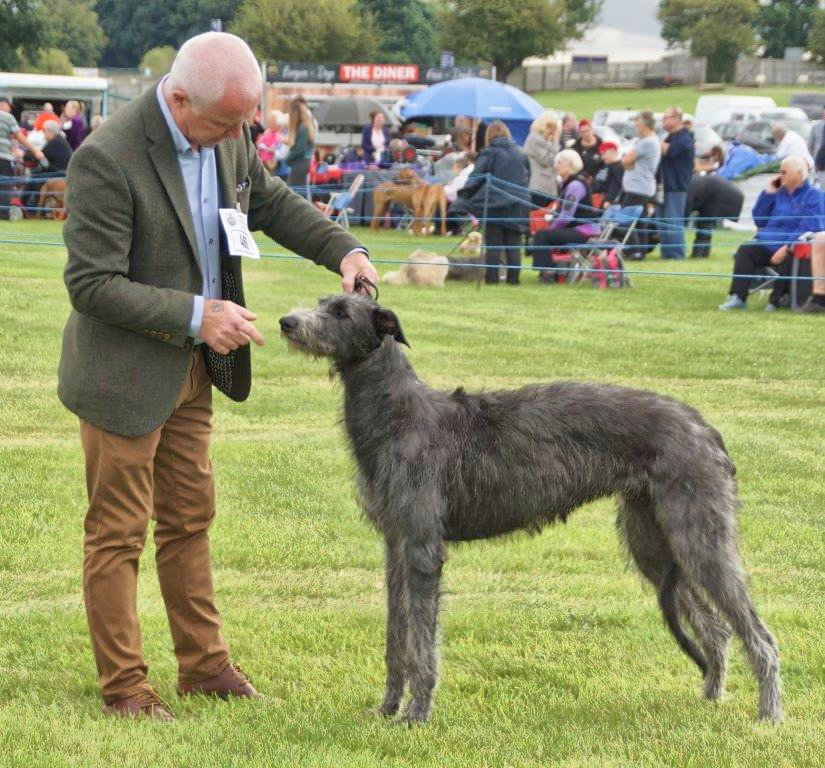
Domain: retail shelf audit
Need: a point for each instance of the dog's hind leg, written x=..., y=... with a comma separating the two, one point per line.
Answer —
x=701, y=532
x=649, y=550
x=712, y=632
x=424, y=560
x=397, y=627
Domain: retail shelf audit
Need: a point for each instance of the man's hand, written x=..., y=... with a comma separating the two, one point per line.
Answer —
x=227, y=326
x=779, y=256
x=353, y=266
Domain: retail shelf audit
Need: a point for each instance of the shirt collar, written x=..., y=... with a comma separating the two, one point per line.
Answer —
x=180, y=141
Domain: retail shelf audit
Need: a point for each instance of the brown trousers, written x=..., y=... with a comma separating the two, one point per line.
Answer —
x=165, y=475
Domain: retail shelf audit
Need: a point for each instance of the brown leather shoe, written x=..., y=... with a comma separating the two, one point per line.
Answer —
x=231, y=682
x=143, y=704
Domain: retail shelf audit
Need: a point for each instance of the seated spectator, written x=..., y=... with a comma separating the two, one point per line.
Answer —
x=711, y=198
x=504, y=204
x=74, y=126
x=375, y=137
x=790, y=143
x=57, y=154
x=816, y=302
x=787, y=208
x=587, y=145
x=608, y=181
x=541, y=146
x=463, y=168
x=576, y=221
x=47, y=113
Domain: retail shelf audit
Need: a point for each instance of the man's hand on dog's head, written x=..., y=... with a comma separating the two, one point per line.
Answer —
x=227, y=326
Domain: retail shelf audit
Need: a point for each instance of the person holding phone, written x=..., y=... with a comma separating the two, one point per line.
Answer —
x=788, y=207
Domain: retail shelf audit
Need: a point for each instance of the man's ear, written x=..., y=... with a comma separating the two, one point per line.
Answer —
x=386, y=323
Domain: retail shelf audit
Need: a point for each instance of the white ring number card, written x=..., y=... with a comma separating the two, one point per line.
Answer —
x=238, y=238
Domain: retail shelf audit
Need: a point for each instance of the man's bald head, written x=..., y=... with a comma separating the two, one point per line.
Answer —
x=214, y=66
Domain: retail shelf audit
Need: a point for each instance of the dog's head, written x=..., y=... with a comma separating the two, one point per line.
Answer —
x=346, y=328
x=471, y=245
x=407, y=176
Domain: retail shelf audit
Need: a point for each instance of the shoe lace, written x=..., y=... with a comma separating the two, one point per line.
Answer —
x=241, y=674
x=152, y=698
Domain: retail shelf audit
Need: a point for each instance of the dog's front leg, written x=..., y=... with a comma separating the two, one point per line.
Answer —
x=424, y=560
x=397, y=627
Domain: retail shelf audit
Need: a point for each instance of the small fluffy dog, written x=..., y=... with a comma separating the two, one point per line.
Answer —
x=421, y=268
x=469, y=252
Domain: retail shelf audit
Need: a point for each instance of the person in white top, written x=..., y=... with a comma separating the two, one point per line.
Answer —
x=790, y=143
x=463, y=167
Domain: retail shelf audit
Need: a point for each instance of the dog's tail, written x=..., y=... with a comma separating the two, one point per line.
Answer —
x=667, y=602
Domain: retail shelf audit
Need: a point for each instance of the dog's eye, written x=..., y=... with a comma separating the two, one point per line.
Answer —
x=340, y=313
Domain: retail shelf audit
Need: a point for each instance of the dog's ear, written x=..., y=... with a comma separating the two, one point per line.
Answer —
x=386, y=323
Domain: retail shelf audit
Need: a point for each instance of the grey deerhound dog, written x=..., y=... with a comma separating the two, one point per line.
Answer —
x=450, y=466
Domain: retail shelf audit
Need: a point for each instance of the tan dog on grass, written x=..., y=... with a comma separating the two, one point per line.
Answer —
x=421, y=268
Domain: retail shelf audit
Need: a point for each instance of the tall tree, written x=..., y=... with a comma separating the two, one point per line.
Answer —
x=133, y=28
x=504, y=33
x=816, y=37
x=718, y=31
x=294, y=30
x=785, y=24
x=406, y=30
x=21, y=30
x=73, y=27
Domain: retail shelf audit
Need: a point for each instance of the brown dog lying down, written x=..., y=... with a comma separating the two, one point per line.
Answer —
x=411, y=191
x=421, y=268
x=469, y=252
x=52, y=196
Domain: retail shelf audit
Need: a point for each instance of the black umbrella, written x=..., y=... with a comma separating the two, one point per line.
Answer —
x=348, y=111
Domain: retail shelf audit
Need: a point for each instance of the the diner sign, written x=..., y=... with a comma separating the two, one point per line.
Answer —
x=378, y=73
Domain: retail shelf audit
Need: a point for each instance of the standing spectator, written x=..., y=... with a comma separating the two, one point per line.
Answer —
x=57, y=155
x=787, y=208
x=814, y=144
x=541, y=147
x=678, y=154
x=790, y=143
x=375, y=137
x=301, y=145
x=608, y=181
x=505, y=206
x=47, y=113
x=587, y=145
x=269, y=141
x=712, y=198
x=9, y=129
x=639, y=181
x=569, y=129
x=576, y=222
x=74, y=126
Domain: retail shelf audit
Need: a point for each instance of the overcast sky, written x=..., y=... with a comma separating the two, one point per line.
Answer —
x=627, y=29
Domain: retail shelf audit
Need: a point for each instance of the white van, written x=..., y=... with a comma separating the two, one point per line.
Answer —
x=720, y=109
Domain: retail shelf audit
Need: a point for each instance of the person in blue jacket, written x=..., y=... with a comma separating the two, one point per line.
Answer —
x=676, y=171
x=788, y=207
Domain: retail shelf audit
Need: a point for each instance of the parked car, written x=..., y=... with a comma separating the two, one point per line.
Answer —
x=810, y=103
x=759, y=133
x=717, y=108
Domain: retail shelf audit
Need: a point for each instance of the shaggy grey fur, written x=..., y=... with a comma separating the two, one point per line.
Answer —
x=439, y=466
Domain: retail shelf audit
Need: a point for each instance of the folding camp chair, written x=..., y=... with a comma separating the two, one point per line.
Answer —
x=339, y=202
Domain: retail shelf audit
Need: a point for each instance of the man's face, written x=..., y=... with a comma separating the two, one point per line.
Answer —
x=206, y=126
x=610, y=155
x=791, y=178
x=670, y=121
x=49, y=134
x=5, y=106
x=586, y=132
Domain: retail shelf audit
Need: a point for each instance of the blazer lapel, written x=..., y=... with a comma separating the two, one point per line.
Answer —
x=226, y=174
x=165, y=159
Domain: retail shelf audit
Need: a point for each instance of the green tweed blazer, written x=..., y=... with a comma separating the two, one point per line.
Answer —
x=132, y=268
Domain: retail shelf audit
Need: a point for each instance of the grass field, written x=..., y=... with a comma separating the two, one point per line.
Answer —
x=554, y=653
x=584, y=103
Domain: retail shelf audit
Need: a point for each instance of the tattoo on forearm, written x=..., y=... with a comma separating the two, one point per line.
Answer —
x=217, y=306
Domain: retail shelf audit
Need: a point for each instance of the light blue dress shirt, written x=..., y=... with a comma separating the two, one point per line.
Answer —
x=200, y=177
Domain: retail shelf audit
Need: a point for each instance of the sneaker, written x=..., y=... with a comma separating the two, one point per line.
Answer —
x=733, y=302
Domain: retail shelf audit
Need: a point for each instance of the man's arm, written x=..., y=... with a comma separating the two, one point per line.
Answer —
x=98, y=235
x=629, y=158
x=27, y=144
x=292, y=221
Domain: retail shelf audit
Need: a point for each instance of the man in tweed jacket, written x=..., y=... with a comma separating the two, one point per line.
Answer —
x=157, y=318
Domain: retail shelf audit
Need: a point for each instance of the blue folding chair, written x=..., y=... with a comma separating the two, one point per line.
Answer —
x=340, y=202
